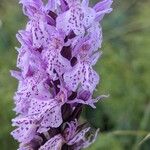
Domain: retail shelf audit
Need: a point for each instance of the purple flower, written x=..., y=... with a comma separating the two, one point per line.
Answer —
x=74, y=137
x=59, y=47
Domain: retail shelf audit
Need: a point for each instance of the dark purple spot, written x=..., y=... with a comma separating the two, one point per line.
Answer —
x=72, y=96
x=66, y=52
x=76, y=113
x=66, y=111
x=71, y=35
x=73, y=61
x=66, y=147
x=39, y=49
x=52, y=14
x=56, y=83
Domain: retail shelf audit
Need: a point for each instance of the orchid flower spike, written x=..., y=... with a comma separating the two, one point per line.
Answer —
x=59, y=47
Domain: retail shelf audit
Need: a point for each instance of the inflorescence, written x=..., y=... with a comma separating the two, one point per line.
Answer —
x=59, y=48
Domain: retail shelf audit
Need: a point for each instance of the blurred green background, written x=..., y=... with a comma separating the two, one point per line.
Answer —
x=124, y=118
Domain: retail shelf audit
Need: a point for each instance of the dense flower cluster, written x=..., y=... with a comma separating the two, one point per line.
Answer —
x=59, y=47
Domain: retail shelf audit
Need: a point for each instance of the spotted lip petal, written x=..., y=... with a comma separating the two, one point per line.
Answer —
x=77, y=18
x=26, y=129
x=48, y=112
x=52, y=117
x=82, y=74
x=54, y=143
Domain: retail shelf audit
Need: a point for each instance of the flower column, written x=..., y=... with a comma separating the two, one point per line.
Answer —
x=59, y=47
